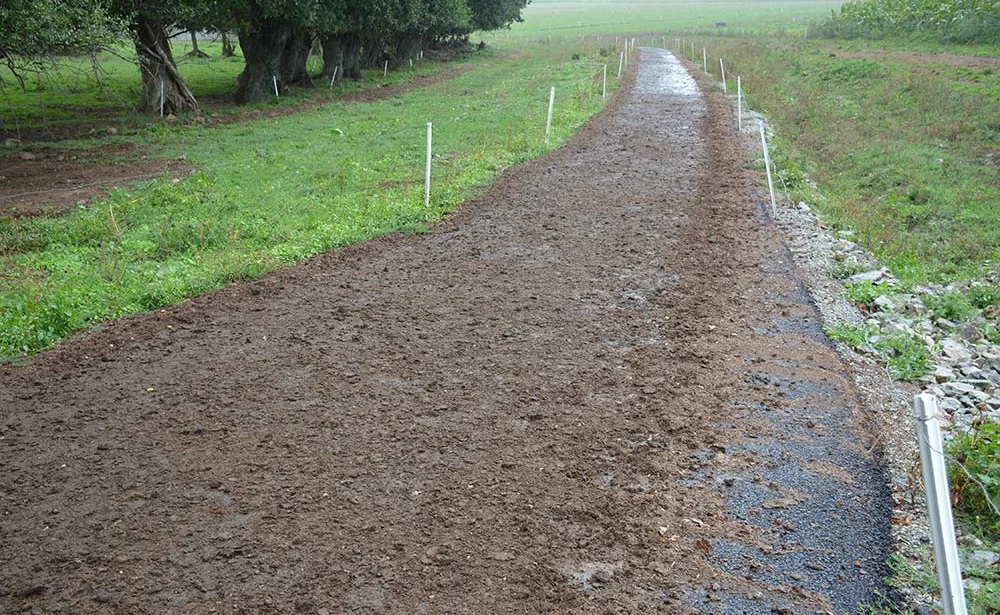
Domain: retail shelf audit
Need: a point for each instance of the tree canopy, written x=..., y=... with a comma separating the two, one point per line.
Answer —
x=276, y=36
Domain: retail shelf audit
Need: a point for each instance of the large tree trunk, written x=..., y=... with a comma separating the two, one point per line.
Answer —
x=163, y=88
x=228, y=50
x=333, y=56
x=292, y=69
x=195, y=52
x=262, y=45
x=407, y=46
x=352, y=55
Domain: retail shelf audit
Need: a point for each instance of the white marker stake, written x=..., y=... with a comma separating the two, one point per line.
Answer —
x=411, y=62
x=621, y=58
x=722, y=69
x=739, y=102
x=548, y=123
x=704, y=59
x=274, y=79
x=385, y=69
x=604, y=86
x=334, y=77
x=162, y=101
x=427, y=174
x=767, y=167
x=939, y=504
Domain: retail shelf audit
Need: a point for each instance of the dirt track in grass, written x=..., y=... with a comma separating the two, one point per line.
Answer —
x=600, y=388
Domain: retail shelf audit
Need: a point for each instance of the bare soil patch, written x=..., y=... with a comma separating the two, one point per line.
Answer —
x=600, y=388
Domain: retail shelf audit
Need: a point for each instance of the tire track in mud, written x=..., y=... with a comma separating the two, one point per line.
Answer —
x=599, y=389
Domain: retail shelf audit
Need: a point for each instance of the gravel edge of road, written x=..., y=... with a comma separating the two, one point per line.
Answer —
x=888, y=402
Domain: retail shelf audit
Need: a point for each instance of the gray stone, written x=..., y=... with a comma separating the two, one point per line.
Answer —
x=981, y=558
x=949, y=405
x=875, y=276
x=969, y=332
x=971, y=370
x=942, y=373
x=956, y=389
x=956, y=350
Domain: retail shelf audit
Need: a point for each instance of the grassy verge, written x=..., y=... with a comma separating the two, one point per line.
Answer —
x=903, y=149
x=273, y=192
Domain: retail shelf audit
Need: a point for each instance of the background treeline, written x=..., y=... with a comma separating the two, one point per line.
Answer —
x=276, y=36
x=955, y=21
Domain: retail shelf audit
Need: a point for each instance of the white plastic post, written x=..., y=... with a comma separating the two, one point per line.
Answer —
x=604, y=85
x=767, y=167
x=704, y=59
x=427, y=173
x=411, y=62
x=939, y=504
x=334, y=77
x=548, y=123
x=739, y=102
x=722, y=69
x=385, y=69
x=274, y=79
x=162, y=101
x=621, y=58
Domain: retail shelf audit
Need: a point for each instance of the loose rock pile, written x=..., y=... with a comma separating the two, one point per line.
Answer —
x=965, y=376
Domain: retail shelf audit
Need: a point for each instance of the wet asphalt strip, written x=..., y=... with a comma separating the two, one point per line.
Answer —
x=814, y=491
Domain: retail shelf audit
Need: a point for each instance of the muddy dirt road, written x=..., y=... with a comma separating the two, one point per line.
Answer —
x=601, y=388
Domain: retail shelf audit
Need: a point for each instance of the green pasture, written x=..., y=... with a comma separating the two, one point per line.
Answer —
x=656, y=17
x=272, y=192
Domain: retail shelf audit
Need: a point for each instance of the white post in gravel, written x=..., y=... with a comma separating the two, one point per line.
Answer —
x=621, y=59
x=722, y=69
x=767, y=167
x=427, y=173
x=739, y=102
x=939, y=504
x=548, y=123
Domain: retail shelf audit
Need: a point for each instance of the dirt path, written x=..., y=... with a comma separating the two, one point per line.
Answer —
x=599, y=389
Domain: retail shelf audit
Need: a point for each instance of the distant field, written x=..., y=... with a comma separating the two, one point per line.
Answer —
x=576, y=17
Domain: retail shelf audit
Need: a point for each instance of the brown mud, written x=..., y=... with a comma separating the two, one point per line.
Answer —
x=600, y=388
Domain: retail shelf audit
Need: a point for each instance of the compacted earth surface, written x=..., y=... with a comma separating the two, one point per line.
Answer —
x=600, y=388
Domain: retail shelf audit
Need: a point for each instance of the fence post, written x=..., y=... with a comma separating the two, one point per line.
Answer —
x=722, y=70
x=548, y=123
x=604, y=85
x=767, y=167
x=939, y=504
x=739, y=102
x=427, y=174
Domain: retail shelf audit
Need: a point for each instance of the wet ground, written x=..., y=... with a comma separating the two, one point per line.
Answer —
x=601, y=388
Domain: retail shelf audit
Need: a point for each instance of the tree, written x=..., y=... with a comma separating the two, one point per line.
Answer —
x=495, y=14
x=35, y=32
x=163, y=88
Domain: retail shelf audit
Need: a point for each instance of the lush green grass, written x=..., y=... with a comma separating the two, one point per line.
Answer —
x=903, y=151
x=555, y=18
x=275, y=191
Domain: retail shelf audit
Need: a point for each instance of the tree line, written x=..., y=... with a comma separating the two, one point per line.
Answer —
x=276, y=36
